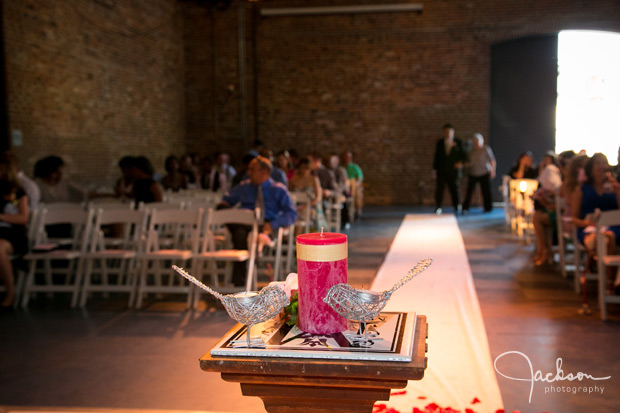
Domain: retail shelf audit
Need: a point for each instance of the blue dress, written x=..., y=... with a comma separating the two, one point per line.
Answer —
x=591, y=201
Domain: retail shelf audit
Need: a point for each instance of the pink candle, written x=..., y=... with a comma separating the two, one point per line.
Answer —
x=321, y=263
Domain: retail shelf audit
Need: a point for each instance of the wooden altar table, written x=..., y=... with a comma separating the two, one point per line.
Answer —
x=320, y=385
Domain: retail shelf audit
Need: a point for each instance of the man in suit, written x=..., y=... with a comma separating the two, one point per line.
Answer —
x=449, y=159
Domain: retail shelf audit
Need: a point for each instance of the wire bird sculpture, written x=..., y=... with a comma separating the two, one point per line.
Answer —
x=247, y=308
x=364, y=305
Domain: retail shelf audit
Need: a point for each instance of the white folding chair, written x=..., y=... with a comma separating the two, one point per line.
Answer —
x=606, y=219
x=48, y=252
x=566, y=243
x=279, y=257
x=113, y=259
x=506, y=199
x=211, y=255
x=333, y=211
x=156, y=260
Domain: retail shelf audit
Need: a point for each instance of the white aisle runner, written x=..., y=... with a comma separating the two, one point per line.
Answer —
x=460, y=368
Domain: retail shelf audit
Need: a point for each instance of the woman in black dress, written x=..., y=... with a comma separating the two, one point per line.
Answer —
x=13, y=220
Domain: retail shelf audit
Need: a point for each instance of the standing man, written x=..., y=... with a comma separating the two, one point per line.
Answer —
x=449, y=159
x=481, y=170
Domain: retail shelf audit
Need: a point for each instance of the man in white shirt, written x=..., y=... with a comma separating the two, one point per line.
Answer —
x=27, y=184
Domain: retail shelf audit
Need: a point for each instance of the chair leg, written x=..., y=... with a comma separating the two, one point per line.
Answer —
x=77, y=283
x=602, y=286
x=28, y=284
x=142, y=283
x=132, y=281
x=87, y=282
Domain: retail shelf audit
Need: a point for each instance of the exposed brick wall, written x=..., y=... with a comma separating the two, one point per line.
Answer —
x=92, y=81
x=384, y=84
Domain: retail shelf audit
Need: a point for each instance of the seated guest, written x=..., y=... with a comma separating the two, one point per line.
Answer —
x=616, y=169
x=574, y=177
x=304, y=181
x=327, y=179
x=222, y=174
x=277, y=174
x=294, y=157
x=124, y=185
x=523, y=169
x=544, y=219
x=259, y=191
x=284, y=163
x=187, y=167
x=174, y=179
x=145, y=188
x=13, y=220
x=27, y=184
x=242, y=175
x=600, y=191
x=49, y=177
x=341, y=177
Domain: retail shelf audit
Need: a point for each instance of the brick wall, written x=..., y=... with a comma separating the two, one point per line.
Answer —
x=98, y=79
x=92, y=81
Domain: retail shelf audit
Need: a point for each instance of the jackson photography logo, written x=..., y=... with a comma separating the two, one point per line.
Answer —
x=558, y=381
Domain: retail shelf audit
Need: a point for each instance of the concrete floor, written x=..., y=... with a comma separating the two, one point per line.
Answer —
x=108, y=357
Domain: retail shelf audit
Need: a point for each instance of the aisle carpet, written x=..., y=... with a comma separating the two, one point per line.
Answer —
x=460, y=371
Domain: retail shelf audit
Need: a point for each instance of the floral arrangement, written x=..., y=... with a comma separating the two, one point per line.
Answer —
x=290, y=312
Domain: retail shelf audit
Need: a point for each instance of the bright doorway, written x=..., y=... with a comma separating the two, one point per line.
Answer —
x=588, y=105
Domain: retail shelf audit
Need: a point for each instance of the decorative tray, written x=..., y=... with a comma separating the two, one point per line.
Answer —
x=391, y=339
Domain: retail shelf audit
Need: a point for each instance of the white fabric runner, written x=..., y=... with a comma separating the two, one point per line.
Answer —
x=459, y=361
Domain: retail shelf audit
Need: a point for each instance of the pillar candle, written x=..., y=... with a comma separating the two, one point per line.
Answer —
x=321, y=263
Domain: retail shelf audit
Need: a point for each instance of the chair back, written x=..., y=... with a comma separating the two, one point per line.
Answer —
x=79, y=220
x=180, y=227
x=111, y=203
x=161, y=205
x=127, y=226
x=218, y=219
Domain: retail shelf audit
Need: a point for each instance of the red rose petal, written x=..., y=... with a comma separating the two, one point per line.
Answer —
x=432, y=407
x=398, y=393
x=416, y=410
x=469, y=411
x=476, y=400
x=499, y=411
x=379, y=408
x=422, y=397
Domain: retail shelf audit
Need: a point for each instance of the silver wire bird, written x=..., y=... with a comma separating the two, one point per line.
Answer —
x=364, y=305
x=247, y=308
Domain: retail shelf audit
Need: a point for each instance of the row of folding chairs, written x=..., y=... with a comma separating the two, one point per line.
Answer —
x=131, y=251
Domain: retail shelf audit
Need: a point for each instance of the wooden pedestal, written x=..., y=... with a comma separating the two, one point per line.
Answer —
x=319, y=385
